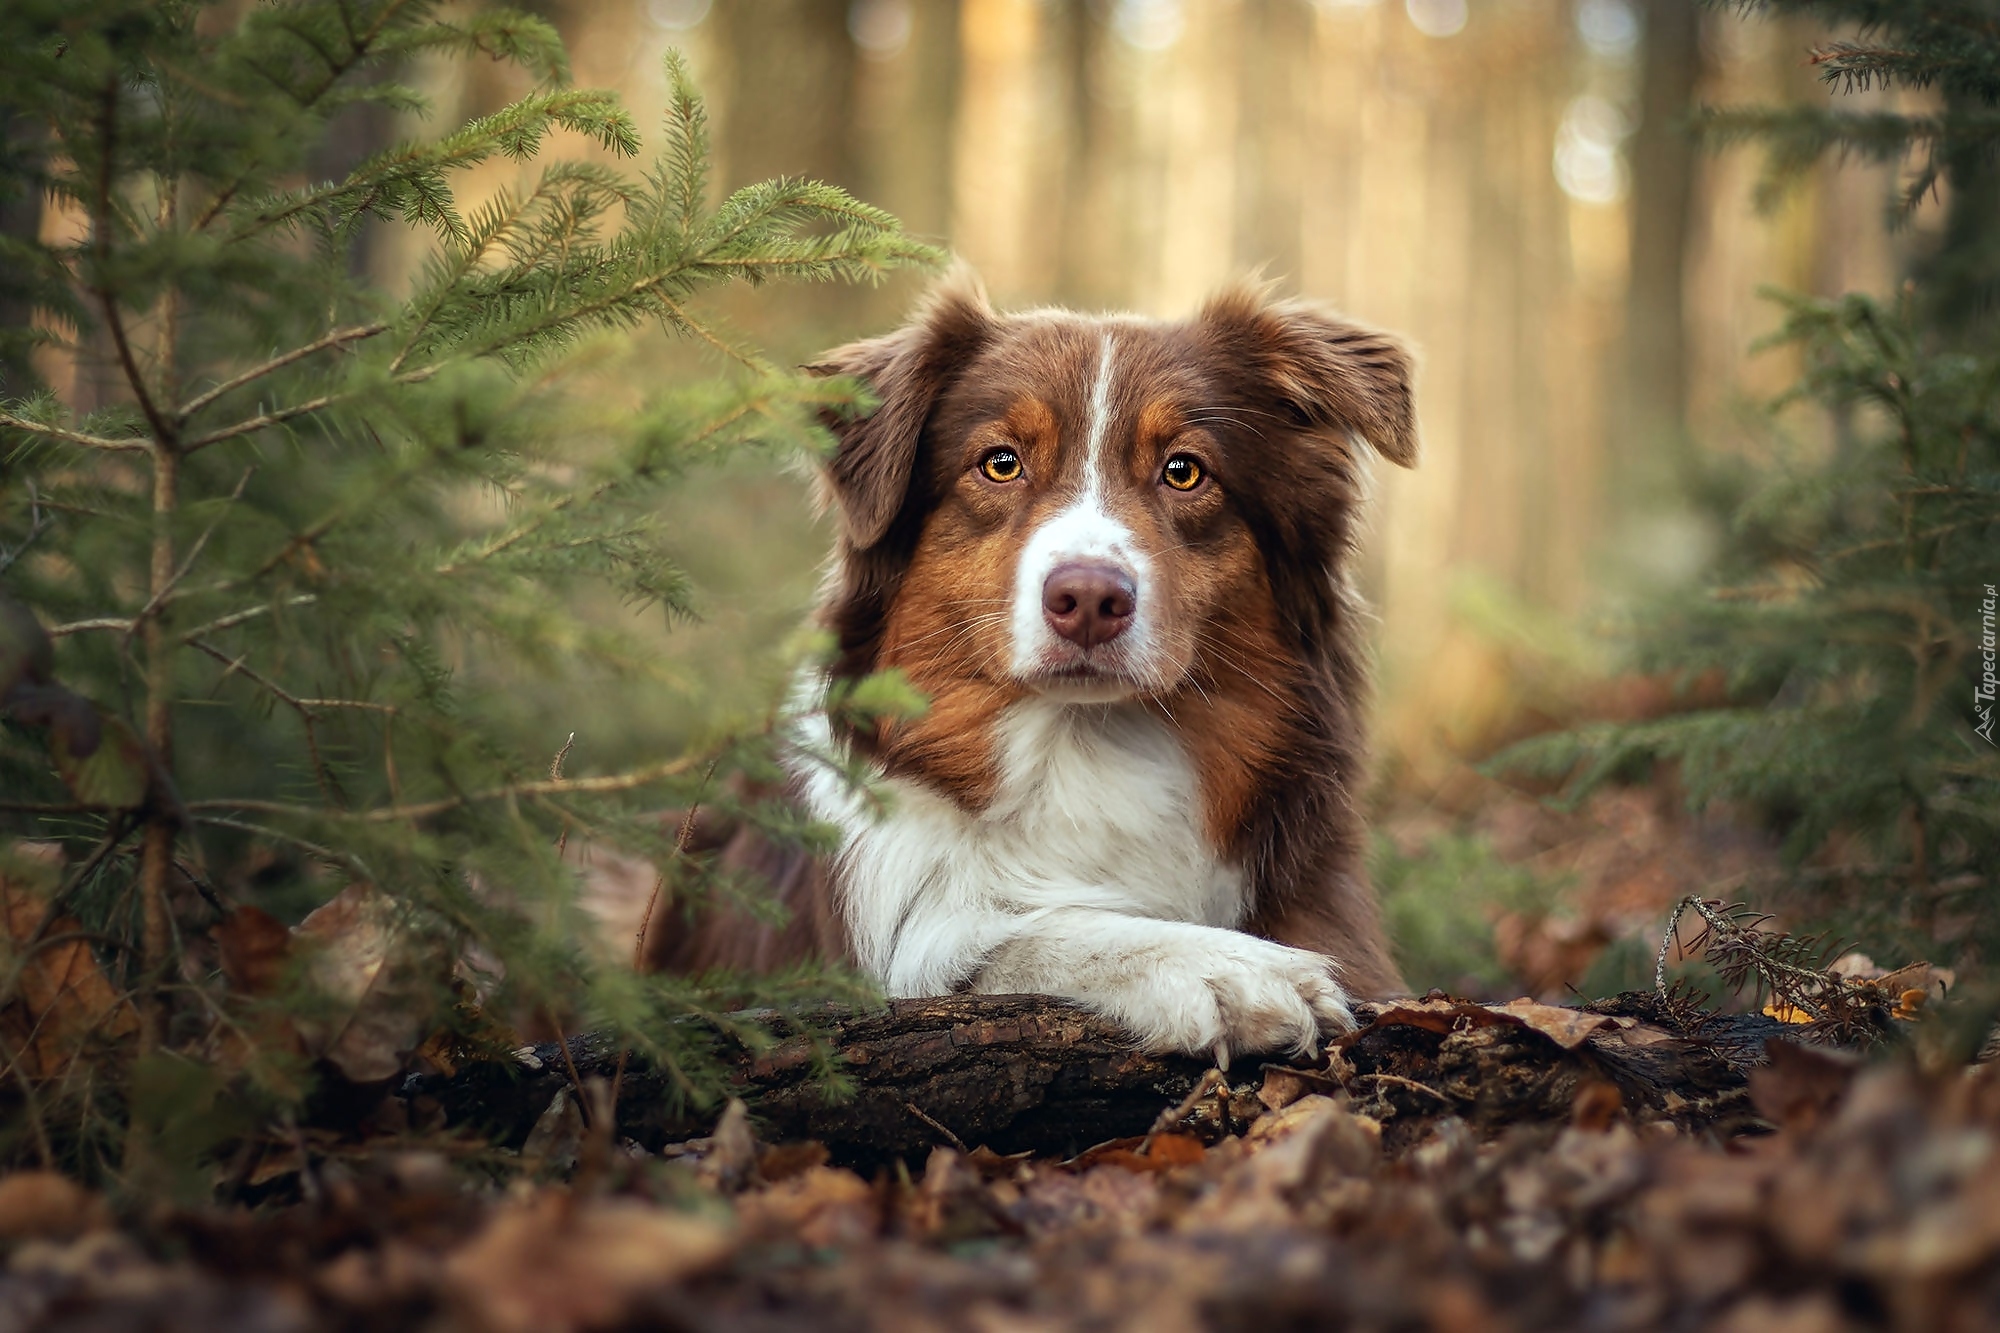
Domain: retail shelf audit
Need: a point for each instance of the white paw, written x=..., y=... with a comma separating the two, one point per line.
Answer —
x=1241, y=995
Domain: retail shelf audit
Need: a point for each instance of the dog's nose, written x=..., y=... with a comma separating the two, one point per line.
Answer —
x=1089, y=603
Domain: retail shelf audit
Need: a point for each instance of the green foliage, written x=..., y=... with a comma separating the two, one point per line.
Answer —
x=1946, y=46
x=289, y=563
x=1849, y=617
x=1439, y=903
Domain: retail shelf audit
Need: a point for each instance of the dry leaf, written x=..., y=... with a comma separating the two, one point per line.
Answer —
x=62, y=1001
x=383, y=976
x=820, y=1206
x=732, y=1150
x=1785, y=1013
x=1567, y=1028
x=1055, y=1201
x=785, y=1160
x=1800, y=1086
x=255, y=948
x=952, y=1203
x=1284, y=1086
x=1434, y=1015
x=1303, y=1150
x=556, y=1264
x=1151, y=1152
x=48, y=1206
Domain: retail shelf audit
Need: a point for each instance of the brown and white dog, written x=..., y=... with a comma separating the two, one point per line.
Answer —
x=1113, y=553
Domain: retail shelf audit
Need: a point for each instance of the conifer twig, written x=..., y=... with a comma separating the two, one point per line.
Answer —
x=239, y=665
x=359, y=45
x=682, y=838
x=235, y=618
x=122, y=624
x=133, y=445
x=164, y=440
x=39, y=523
x=334, y=339
x=1791, y=968
x=278, y=416
x=320, y=850
x=165, y=591
x=615, y=782
x=555, y=775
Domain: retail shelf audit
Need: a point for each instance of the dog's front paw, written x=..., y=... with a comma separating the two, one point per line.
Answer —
x=1242, y=995
x=1271, y=997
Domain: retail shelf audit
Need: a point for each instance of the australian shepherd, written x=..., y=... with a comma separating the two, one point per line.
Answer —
x=1113, y=554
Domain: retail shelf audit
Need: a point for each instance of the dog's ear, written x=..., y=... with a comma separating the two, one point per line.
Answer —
x=1323, y=371
x=907, y=371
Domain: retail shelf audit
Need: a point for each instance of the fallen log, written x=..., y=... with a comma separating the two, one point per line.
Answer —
x=1022, y=1072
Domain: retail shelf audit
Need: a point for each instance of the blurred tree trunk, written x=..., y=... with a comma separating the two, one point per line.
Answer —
x=1652, y=410
x=1964, y=273
x=785, y=71
x=20, y=219
x=789, y=78
x=927, y=135
x=1276, y=54
x=355, y=135
x=1080, y=275
x=906, y=113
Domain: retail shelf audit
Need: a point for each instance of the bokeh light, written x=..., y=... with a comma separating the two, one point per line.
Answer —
x=677, y=15
x=1589, y=158
x=1437, y=18
x=881, y=28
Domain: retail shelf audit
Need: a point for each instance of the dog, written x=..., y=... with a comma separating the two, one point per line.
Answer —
x=1113, y=554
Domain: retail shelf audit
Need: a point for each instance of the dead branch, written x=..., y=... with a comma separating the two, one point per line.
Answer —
x=1016, y=1072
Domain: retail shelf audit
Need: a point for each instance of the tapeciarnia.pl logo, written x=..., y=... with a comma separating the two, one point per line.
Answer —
x=1989, y=684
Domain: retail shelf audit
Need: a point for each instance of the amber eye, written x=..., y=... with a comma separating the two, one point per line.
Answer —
x=1001, y=465
x=1181, y=472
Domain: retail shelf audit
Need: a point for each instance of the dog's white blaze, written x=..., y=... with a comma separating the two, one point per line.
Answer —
x=1100, y=421
x=1084, y=529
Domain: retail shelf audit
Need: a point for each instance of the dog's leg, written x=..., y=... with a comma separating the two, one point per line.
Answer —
x=1177, y=986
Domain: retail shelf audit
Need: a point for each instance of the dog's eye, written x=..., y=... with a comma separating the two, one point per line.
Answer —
x=1181, y=472
x=1001, y=465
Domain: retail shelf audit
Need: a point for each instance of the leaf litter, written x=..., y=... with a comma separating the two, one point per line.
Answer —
x=1850, y=1195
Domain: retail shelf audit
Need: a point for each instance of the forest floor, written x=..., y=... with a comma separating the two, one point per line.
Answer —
x=1848, y=1195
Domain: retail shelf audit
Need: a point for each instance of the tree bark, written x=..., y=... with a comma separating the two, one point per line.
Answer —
x=1023, y=1072
x=1651, y=418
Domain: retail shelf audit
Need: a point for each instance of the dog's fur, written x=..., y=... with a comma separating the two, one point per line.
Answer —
x=1163, y=826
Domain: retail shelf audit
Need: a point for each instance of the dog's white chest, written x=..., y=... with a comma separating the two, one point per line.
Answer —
x=1096, y=806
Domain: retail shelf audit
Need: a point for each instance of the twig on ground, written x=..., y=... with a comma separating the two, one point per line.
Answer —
x=940, y=1127
x=1174, y=1115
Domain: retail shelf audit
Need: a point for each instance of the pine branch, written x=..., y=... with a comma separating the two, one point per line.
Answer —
x=1791, y=969
x=236, y=618
x=617, y=782
x=165, y=591
x=359, y=46
x=308, y=719
x=279, y=416
x=337, y=338
x=66, y=436
x=411, y=179
x=685, y=186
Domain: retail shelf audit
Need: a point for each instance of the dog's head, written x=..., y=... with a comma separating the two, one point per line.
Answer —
x=1104, y=508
